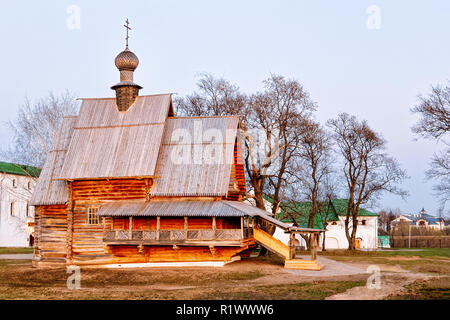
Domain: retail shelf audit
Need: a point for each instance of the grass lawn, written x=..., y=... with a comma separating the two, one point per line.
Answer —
x=256, y=278
x=422, y=253
x=19, y=280
x=317, y=290
x=434, y=289
x=431, y=261
x=13, y=250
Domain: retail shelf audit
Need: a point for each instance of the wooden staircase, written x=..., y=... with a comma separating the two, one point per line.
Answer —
x=278, y=247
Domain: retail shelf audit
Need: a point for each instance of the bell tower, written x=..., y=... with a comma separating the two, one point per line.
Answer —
x=126, y=89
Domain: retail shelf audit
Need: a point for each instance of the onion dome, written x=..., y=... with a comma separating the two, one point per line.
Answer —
x=126, y=60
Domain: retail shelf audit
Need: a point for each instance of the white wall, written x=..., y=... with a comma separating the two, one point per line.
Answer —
x=335, y=235
x=13, y=227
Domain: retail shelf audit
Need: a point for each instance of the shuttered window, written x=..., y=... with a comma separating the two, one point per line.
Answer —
x=92, y=217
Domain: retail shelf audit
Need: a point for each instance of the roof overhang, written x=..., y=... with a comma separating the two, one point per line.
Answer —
x=172, y=209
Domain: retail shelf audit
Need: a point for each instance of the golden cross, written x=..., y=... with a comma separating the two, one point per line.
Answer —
x=128, y=28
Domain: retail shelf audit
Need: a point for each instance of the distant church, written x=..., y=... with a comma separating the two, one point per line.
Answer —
x=421, y=219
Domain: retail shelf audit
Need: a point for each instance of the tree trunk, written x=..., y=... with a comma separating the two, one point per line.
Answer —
x=323, y=241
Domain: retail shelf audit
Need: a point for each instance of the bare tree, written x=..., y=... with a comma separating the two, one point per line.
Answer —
x=313, y=166
x=313, y=183
x=385, y=218
x=367, y=169
x=312, y=172
x=274, y=114
x=329, y=193
x=434, y=124
x=215, y=97
x=278, y=113
x=434, y=111
x=35, y=126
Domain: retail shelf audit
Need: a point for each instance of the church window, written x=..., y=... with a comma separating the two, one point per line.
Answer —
x=92, y=217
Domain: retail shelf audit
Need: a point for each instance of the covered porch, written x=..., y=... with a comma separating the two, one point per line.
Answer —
x=183, y=223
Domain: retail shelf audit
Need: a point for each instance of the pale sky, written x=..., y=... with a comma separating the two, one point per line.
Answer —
x=375, y=73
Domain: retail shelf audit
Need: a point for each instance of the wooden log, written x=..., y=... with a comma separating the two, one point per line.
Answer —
x=291, y=245
x=157, y=227
x=313, y=247
x=69, y=222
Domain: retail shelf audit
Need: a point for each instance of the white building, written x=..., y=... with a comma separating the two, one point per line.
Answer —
x=366, y=233
x=16, y=215
x=420, y=220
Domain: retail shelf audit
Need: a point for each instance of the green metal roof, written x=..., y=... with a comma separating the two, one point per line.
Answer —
x=340, y=205
x=329, y=212
x=19, y=169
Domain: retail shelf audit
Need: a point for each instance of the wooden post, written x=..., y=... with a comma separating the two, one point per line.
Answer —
x=291, y=245
x=214, y=226
x=70, y=221
x=185, y=227
x=313, y=246
x=242, y=227
x=131, y=228
x=157, y=227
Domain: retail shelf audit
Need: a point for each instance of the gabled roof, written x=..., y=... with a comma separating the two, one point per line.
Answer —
x=196, y=156
x=19, y=169
x=328, y=211
x=302, y=210
x=340, y=206
x=103, y=143
x=107, y=143
x=49, y=191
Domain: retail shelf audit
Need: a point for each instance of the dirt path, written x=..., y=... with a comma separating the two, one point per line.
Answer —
x=393, y=280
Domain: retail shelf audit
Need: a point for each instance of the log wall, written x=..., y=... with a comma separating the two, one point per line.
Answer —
x=63, y=234
x=130, y=254
x=51, y=233
x=101, y=190
x=87, y=240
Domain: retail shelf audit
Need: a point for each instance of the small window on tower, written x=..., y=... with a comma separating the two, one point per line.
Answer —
x=92, y=217
x=29, y=185
x=14, y=183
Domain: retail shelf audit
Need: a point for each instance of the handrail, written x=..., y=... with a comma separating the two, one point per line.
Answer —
x=177, y=234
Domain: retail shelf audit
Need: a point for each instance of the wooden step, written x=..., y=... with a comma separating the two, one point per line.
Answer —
x=302, y=264
x=270, y=243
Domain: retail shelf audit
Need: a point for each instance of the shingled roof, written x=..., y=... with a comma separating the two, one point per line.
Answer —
x=48, y=190
x=107, y=143
x=196, y=166
x=145, y=141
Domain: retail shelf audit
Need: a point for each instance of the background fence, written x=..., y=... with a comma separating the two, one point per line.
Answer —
x=420, y=241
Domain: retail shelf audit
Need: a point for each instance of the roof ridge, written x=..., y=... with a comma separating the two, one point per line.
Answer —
x=140, y=96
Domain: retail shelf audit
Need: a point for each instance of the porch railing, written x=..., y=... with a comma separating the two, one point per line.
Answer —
x=177, y=235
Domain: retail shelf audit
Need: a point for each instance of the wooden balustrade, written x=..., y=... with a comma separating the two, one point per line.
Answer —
x=176, y=235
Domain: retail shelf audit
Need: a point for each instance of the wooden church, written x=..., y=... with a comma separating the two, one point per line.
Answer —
x=127, y=181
